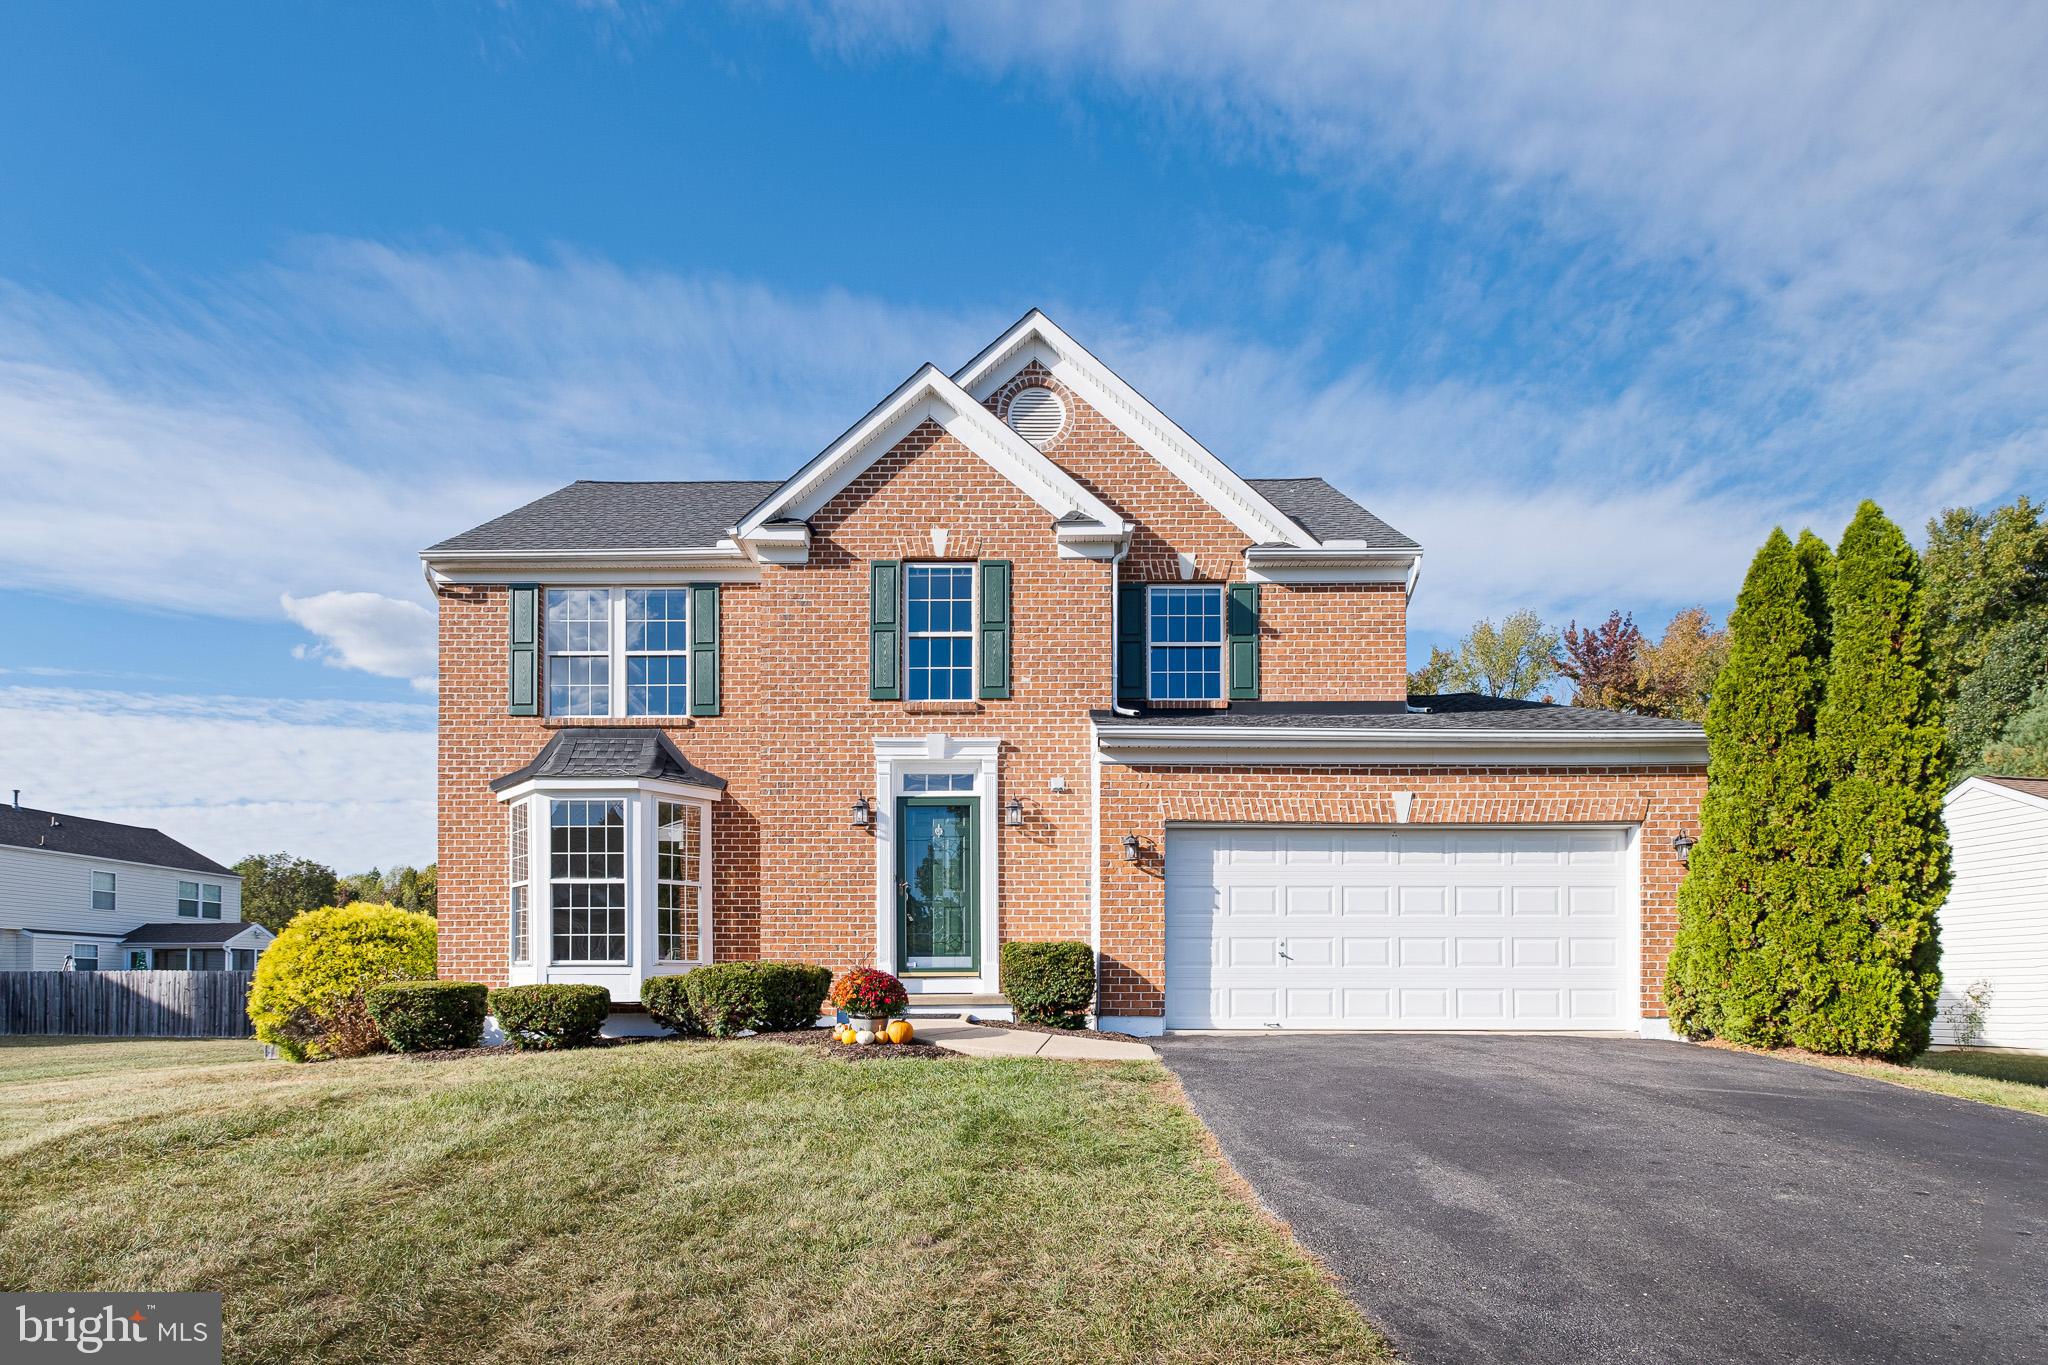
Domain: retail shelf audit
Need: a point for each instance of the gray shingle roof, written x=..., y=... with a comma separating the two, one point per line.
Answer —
x=1327, y=514
x=27, y=828
x=1452, y=712
x=590, y=515
x=2032, y=786
x=174, y=933
x=594, y=515
x=628, y=752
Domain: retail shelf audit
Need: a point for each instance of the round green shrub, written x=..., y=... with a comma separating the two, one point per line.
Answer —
x=307, y=999
x=554, y=1015
x=428, y=1016
x=725, y=997
x=792, y=994
x=1050, y=983
x=667, y=1000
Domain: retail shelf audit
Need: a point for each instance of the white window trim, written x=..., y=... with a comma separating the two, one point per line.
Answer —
x=895, y=758
x=622, y=979
x=625, y=879
x=519, y=820
x=703, y=883
x=615, y=653
x=92, y=898
x=74, y=954
x=1222, y=645
x=971, y=634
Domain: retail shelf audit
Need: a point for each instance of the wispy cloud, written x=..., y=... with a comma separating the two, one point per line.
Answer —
x=364, y=630
x=348, y=783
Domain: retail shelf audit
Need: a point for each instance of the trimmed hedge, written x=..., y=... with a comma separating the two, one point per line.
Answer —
x=1050, y=983
x=429, y=1016
x=307, y=999
x=551, y=1016
x=727, y=997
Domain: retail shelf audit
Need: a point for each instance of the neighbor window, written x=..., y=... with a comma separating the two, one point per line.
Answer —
x=138, y=959
x=209, y=959
x=938, y=609
x=522, y=942
x=1186, y=638
x=85, y=957
x=245, y=959
x=679, y=881
x=102, y=890
x=170, y=959
x=579, y=652
x=587, y=880
x=657, y=651
x=199, y=902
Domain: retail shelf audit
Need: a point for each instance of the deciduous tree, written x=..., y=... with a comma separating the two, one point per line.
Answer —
x=1679, y=670
x=277, y=886
x=1604, y=663
x=1982, y=570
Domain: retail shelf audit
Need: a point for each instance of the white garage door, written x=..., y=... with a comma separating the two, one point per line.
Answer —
x=1309, y=927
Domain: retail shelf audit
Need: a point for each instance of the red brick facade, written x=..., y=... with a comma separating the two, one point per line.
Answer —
x=792, y=878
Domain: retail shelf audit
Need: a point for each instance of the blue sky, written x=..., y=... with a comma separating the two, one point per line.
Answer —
x=1586, y=298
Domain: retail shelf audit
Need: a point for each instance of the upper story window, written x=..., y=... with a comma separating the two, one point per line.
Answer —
x=1185, y=642
x=596, y=636
x=938, y=612
x=102, y=890
x=587, y=880
x=197, y=901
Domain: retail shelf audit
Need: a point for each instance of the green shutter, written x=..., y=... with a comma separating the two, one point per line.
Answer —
x=523, y=639
x=1130, y=643
x=885, y=632
x=995, y=627
x=704, y=649
x=1243, y=630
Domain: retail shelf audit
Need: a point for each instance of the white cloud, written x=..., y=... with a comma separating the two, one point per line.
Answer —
x=366, y=630
x=351, y=784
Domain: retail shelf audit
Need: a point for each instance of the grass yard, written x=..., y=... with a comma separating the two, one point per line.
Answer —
x=2016, y=1080
x=669, y=1202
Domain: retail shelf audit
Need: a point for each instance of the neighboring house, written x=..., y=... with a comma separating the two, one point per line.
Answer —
x=1994, y=925
x=92, y=895
x=1017, y=658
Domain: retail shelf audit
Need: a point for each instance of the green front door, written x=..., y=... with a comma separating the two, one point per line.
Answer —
x=937, y=888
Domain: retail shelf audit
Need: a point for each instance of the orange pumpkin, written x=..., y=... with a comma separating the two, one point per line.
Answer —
x=899, y=1030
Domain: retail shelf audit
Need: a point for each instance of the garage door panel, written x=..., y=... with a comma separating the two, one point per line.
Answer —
x=1509, y=928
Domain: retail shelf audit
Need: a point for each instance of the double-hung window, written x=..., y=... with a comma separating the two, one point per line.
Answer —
x=85, y=957
x=102, y=890
x=598, y=636
x=679, y=881
x=938, y=611
x=197, y=901
x=1186, y=643
x=587, y=880
x=245, y=959
x=522, y=942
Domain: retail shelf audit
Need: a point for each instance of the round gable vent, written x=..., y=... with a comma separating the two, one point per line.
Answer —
x=1037, y=414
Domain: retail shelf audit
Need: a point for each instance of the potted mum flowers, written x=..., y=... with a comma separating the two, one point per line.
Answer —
x=867, y=1000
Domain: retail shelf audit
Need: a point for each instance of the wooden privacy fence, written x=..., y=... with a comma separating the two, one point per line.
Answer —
x=127, y=1004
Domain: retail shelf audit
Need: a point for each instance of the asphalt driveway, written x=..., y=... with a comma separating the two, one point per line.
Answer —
x=1526, y=1199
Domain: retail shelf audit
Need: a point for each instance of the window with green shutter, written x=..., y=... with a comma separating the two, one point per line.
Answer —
x=523, y=690
x=704, y=629
x=1130, y=644
x=1243, y=630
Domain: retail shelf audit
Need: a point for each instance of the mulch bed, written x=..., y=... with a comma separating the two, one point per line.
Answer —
x=820, y=1041
x=1015, y=1026
x=462, y=1054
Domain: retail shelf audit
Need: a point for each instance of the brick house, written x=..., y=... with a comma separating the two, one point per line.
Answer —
x=1017, y=658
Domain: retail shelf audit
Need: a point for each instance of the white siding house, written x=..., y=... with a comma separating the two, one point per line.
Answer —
x=72, y=891
x=1994, y=927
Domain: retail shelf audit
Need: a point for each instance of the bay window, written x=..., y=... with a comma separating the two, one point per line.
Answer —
x=679, y=882
x=587, y=880
x=520, y=833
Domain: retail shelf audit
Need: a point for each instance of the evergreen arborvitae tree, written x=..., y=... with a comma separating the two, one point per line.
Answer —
x=1749, y=874
x=1867, y=962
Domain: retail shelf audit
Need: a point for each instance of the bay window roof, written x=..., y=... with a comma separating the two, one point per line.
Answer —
x=624, y=753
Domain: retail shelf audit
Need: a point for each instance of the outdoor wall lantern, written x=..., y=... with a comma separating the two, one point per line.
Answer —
x=1130, y=848
x=862, y=816
x=1683, y=845
x=1013, y=814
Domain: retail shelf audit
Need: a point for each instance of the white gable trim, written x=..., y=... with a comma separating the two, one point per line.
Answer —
x=928, y=395
x=1035, y=337
x=1989, y=788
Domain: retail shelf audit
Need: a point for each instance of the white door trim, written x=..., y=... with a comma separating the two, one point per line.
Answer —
x=896, y=758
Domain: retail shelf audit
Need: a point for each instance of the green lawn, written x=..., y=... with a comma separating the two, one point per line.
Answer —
x=2016, y=1080
x=668, y=1202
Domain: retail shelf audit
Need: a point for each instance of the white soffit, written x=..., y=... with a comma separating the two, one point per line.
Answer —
x=1036, y=337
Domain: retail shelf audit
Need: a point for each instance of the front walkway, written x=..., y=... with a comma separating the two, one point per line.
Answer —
x=977, y=1041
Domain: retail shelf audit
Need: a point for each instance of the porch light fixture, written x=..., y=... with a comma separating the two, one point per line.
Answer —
x=1013, y=814
x=1682, y=845
x=1130, y=848
x=862, y=815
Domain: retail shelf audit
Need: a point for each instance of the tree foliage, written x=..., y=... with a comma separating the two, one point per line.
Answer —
x=1604, y=663
x=1994, y=695
x=2021, y=749
x=1678, y=672
x=409, y=888
x=1513, y=659
x=1982, y=571
x=277, y=886
x=1760, y=822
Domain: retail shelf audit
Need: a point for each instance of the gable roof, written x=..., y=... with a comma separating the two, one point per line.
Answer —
x=24, y=827
x=1036, y=336
x=604, y=515
x=627, y=752
x=175, y=933
x=2028, y=791
x=928, y=395
x=1328, y=514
